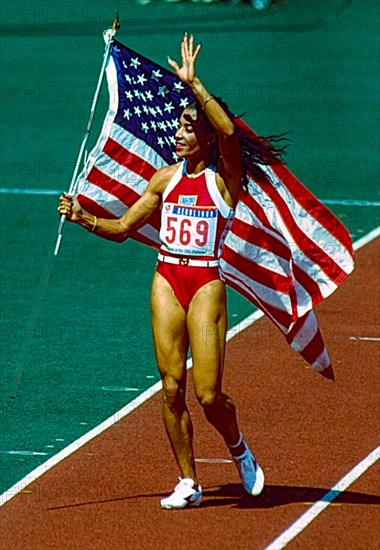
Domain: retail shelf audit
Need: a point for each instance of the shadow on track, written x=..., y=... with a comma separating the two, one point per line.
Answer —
x=233, y=495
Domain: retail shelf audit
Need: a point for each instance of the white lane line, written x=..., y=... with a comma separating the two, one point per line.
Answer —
x=213, y=460
x=116, y=388
x=303, y=521
x=18, y=191
x=245, y=323
x=70, y=449
x=372, y=235
x=23, y=453
x=350, y=202
x=365, y=338
x=29, y=191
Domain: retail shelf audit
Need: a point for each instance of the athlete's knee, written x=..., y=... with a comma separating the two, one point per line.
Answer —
x=207, y=397
x=173, y=394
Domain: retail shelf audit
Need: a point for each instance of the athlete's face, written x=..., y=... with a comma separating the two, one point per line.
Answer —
x=189, y=135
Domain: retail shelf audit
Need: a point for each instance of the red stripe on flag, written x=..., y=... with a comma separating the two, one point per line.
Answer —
x=306, y=245
x=296, y=328
x=246, y=198
x=122, y=192
x=257, y=273
x=94, y=208
x=128, y=159
x=306, y=199
x=314, y=207
x=277, y=315
x=314, y=348
x=308, y=284
x=260, y=238
x=125, y=194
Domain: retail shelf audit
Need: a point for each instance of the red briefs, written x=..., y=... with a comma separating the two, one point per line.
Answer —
x=187, y=280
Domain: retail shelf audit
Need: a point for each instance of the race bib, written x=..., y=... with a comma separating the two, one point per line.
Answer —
x=189, y=230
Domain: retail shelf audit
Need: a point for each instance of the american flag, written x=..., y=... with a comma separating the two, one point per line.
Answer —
x=285, y=251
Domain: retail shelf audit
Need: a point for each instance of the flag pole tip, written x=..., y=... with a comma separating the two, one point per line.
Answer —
x=116, y=24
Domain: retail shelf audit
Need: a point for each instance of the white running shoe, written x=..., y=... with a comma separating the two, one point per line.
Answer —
x=184, y=495
x=250, y=472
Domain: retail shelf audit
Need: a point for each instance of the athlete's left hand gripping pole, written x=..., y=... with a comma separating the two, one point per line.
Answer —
x=109, y=36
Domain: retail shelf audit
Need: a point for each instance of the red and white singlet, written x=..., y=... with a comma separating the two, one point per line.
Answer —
x=194, y=216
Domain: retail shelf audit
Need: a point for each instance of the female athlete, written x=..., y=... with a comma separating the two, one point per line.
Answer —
x=196, y=197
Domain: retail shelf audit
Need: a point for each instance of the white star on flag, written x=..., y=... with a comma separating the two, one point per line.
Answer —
x=141, y=79
x=173, y=123
x=135, y=62
x=169, y=107
x=156, y=74
x=162, y=90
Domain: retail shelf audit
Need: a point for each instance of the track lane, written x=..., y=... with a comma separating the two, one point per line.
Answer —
x=306, y=431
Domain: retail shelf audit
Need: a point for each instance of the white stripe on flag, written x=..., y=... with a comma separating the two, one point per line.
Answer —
x=128, y=141
x=122, y=175
x=260, y=256
x=311, y=227
x=320, y=362
x=275, y=298
x=103, y=198
x=305, y=334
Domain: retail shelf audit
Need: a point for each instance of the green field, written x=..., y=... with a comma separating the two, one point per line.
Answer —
x=311, y=68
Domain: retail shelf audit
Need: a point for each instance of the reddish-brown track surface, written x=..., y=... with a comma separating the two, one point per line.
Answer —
x=306, y=431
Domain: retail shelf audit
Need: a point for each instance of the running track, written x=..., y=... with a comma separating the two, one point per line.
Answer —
x=307, y=432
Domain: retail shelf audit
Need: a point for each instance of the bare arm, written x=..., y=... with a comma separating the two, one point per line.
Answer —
x=119, y=229
x=220, y=121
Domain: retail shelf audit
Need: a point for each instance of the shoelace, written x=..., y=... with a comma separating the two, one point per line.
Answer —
x=243, y=464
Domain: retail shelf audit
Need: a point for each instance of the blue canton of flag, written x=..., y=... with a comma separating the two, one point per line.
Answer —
x=151, y=100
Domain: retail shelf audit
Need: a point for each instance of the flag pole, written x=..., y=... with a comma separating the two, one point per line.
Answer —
x=110, y=34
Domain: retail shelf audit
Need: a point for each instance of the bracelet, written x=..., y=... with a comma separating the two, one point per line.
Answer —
x=207, y=100
x=95, y=223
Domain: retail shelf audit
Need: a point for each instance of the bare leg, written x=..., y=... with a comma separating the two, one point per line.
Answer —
x=171, y=345
x=207, y=330
x=207, y=325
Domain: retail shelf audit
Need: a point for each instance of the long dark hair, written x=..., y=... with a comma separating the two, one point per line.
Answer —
x=255, y=150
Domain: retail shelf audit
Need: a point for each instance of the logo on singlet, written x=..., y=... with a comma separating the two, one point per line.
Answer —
x=187, y=200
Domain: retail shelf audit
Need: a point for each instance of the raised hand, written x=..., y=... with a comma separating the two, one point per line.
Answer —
x=70, y=207
x=187, y=72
